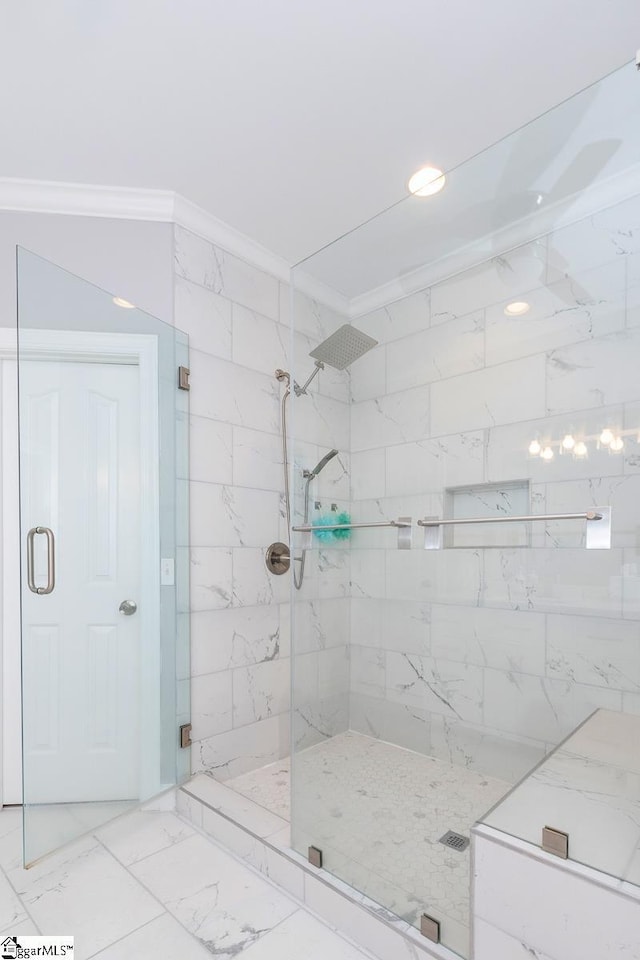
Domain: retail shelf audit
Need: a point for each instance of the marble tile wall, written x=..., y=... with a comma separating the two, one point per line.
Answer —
x=491, y=655
x=237, y=319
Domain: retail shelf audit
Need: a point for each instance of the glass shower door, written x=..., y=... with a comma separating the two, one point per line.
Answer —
x=94, y=387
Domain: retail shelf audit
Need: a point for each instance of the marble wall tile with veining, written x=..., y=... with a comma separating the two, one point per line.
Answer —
x=211, y=701
x=260, y=691
x=567, y=311
x=443, y=687
x=604, y=653
x=621, y=493
x=492, y=753
x=245, y=748
x=333, y=672
x=239, y=637
x=596, y=373
x=506, y=393
x=321, y=420
x=263, y=344
x=320, y=623
x=310, y=317
x=402, y=625
x=555, y=581
x=502, y=278
x=543, y=709
x=501, y=639
x=210, y=451
x=230, y=516
x=398, y=723
x=367, y=573
x=252, y=582
x=368, y=375
x=368, y=474
x=611, y=234
x=211, y=578
x=257, y=459
x=442, y=576
x=224, y=391
x=205, y=317
x=398, y=319
x=443, y=351
x=394, y=418
x=431, y=465
x=368, y=671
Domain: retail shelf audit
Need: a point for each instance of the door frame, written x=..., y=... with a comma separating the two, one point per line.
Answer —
x=140, y=350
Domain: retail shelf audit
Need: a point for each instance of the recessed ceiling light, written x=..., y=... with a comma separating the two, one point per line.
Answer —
x=426, y=181
x=120, y=302
x=517, y=308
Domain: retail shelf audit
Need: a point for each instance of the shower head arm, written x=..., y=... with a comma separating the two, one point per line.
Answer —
x=300, y=391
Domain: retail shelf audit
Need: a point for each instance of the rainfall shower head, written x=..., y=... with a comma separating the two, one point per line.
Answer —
x=343, y=347
x=319, y=467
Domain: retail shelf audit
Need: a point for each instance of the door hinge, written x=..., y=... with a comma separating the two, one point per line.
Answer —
x=185, y=735
x=183, y=378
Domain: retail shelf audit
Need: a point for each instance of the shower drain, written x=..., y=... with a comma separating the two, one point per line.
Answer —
x=455, y=840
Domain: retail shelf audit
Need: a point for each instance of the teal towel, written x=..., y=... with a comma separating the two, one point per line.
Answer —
x=326, y=536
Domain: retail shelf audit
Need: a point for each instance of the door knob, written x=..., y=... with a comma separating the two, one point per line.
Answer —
x=128, y=607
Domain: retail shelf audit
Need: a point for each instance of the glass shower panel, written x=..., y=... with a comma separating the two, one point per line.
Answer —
x=503, y=385
x=103, y=515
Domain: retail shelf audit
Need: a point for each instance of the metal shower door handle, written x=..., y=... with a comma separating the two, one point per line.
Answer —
x=51, y=560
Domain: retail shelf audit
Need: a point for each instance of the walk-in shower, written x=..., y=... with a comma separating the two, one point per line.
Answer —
x=503, y=386
x=339, y=350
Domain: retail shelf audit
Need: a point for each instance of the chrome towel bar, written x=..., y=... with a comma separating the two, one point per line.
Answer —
x=309, y=527
x=598, y=536
x=440, y=522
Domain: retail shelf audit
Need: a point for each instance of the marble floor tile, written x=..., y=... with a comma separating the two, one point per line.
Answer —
x=12, y=912
x=301, y=935
x=26, y=927
x=161, y=939
x=142, y=834
x=223, y=903
x=83, y=891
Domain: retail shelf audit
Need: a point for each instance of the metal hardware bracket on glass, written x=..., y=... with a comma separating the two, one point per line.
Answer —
x=402, y=524
x=598, y=526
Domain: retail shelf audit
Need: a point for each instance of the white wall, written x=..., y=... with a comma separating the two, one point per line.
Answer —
x=490, y=655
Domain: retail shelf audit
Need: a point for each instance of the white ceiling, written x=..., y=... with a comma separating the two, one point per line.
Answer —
x=291, y=120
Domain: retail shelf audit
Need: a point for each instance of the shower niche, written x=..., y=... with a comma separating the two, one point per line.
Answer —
x=499, y=500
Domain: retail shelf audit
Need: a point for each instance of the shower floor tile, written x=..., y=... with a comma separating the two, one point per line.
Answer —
x=378, y=811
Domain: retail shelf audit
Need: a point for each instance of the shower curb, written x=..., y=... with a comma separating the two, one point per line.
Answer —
x=362, y=920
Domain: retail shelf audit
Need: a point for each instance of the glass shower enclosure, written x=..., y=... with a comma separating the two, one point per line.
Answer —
x=103, y=544
x=480, y=597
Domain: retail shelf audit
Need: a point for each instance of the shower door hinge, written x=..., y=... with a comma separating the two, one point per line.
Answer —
x=430, y=928
x=183, y=378
x=315, y=857
x=555, y=842
x=185, y=735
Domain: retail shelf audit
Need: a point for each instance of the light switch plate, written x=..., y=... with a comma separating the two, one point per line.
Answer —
x=167, y=572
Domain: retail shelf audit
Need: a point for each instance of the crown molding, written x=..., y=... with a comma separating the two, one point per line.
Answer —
x=599, y=197
x=162, y=206
x=165, y=206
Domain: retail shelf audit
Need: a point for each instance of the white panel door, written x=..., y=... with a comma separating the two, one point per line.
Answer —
x=80, y=477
